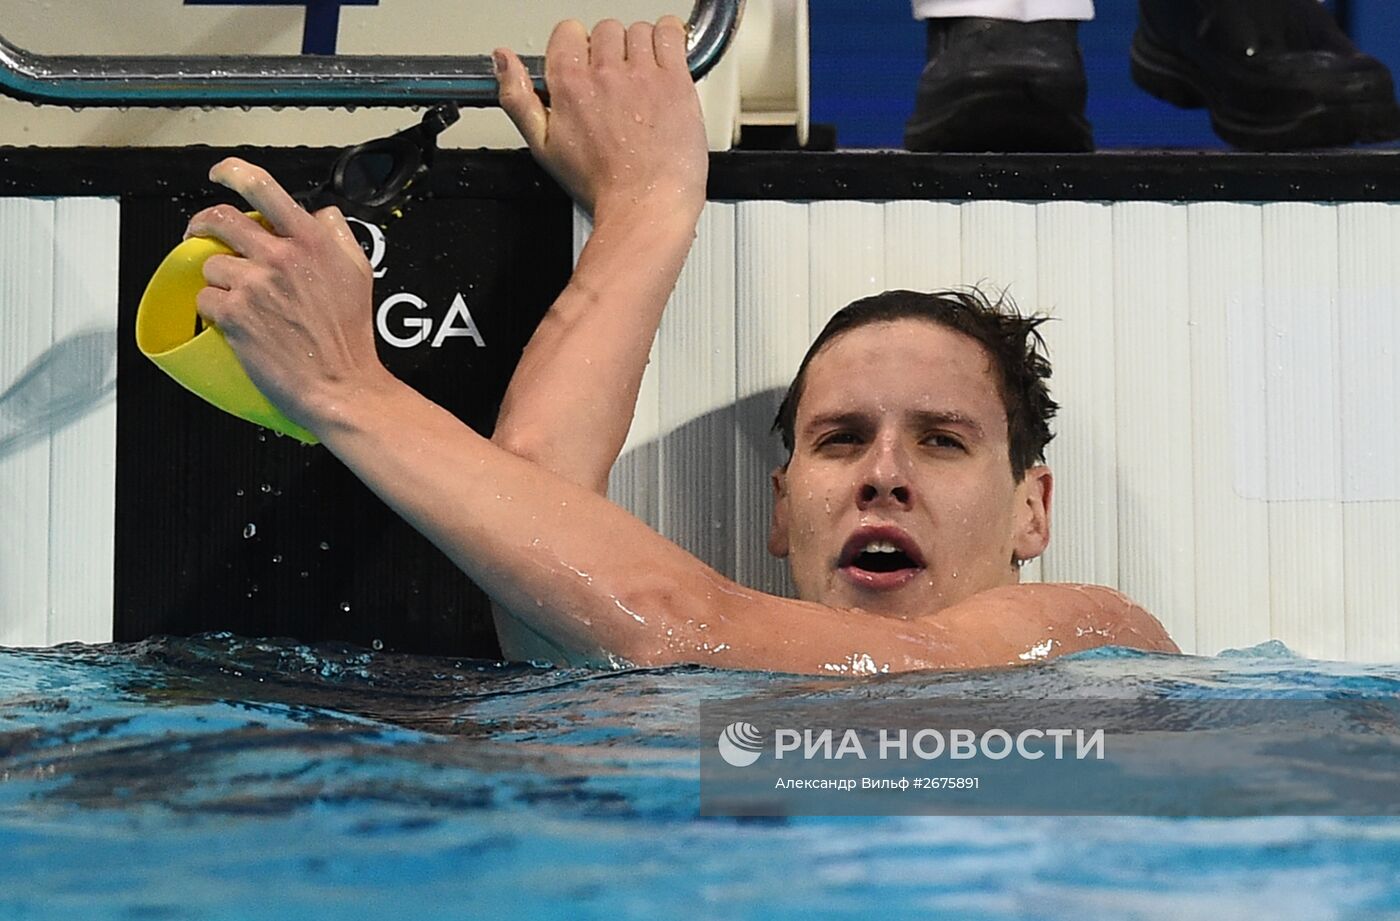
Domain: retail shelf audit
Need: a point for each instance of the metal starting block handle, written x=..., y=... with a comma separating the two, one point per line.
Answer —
x=301, y=80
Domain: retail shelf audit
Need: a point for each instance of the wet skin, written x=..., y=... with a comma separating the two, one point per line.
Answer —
x=901, y=438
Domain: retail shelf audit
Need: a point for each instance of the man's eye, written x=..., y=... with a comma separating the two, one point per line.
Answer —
x=944, y=441
x=839, y=438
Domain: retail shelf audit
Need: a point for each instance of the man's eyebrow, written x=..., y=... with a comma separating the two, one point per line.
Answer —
x=924, y=418
x=929, y=418
x=840, y=419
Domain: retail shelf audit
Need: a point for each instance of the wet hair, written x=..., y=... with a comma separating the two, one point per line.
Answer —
x=1012, y=341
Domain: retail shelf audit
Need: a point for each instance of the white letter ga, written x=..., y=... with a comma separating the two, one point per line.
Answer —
x=458, y=322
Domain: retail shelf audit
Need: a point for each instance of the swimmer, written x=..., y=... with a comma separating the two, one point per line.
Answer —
x=914, y=490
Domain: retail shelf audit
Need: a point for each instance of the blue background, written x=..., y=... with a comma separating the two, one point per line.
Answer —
x=867, y=54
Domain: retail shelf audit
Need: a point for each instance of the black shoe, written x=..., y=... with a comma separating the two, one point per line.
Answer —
x=1275, y=74
x=993, y=84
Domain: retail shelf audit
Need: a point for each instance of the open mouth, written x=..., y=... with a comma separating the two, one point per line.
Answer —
x=886, y=558
x=880, y=557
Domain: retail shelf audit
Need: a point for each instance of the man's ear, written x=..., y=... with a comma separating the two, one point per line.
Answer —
x=778, y=528
x=1032, y=521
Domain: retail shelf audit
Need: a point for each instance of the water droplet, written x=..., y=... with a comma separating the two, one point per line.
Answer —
x=266, y=487
x=376, y=644
x=238, y=492
x=325, y=546
x=345, y=607
x=249, y=530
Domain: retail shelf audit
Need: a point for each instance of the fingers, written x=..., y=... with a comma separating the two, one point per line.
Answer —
x=518, y=97
x=669, y=41
x=340, y=231
x=226, y=272
x=567, y=49
x=608, y=44
x=232, y=227
x=216, y=305
x=639, y=44
x=261, y=191
x=231, y=272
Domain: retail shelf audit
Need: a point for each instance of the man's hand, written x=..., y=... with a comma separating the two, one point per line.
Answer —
x=623, y=124
x=292, y=300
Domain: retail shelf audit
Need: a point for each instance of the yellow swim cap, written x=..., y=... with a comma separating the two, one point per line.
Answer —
x=203, y=362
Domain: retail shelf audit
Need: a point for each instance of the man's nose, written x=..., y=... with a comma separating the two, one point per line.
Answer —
x=885, y=476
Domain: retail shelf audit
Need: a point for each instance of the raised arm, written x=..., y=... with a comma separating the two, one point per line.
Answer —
x=623, y=134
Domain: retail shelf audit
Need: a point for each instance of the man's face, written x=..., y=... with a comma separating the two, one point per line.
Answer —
x=899, y=496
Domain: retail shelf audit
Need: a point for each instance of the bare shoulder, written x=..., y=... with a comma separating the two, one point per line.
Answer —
x=721, y=624
x=1043, y=620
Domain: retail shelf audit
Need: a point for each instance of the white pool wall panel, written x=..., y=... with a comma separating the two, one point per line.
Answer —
x=58, y=279
x=1226, y=332
x=923, y=244
x=1303, y=451
x=1154, y=431
x=772, y=252
x=847, y=257
x=1074, y=267
x=1228, y=449
x=1369, y=271
x=82, y=453
x=26, y=290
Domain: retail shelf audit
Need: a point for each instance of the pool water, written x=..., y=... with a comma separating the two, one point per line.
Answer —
x=220, y=777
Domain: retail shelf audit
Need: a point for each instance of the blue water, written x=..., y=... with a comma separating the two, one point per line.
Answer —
x=227, y=778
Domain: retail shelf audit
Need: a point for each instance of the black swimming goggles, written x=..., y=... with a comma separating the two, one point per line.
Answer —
x=373, y=181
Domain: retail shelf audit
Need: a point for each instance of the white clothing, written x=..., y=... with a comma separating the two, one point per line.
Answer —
x=1019, y=10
